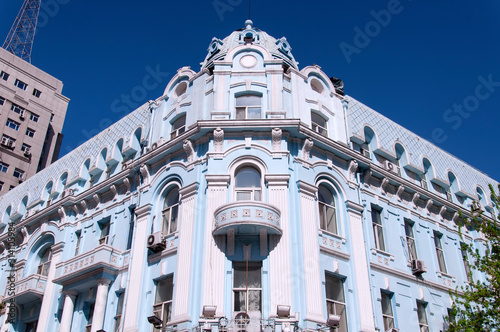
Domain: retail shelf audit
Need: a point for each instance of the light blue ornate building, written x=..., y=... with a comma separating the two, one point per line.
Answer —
x=253, y=195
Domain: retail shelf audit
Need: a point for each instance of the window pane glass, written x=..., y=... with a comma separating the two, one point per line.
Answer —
x=243, y=195
x=437, y=241
x=422, y=316
x=408, y=229
x=239, y=301
x=173, y=219
x=248, y=100
x=331, y=220
x=386, y=304
x=172, y=197
x=325, y=196
x=254, y=300
x=254, y=112
x=239, y=279
x=164, y=290
x=334, y=289
x=376, y=216
x=317, y=119
x=380, y=235
x=248, y=177
x=257, y=195
x=240, y=113
x=179, y=123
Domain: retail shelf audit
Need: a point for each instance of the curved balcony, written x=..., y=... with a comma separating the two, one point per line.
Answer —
x=247, y=218
x=28, y=289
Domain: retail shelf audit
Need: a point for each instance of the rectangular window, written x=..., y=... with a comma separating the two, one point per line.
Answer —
x=11, y=187
x=8, y=141
x=465, y=259
x=439, y=252
x=77, y=246
x=18, y=109
x=18, y=173
x=12, y=124
x=422, y=316
x=248, y=107
x=37, y=93
x=119, y=310
x=1, y=186
x=4, y=75
x=30, y=132
x=104, y=233
x=387, y=312
x=34, y=117
x=131, y=229
x=163, y=301
x=318, y=124
x=2, y=101
x=20, y=84
x=247, y=277
x=90, y=318
x=378, y=232
x=31, y=326
x=335, y=300
x=25, y=147
x=178, y=127
x=3, y=167
x=410, y=240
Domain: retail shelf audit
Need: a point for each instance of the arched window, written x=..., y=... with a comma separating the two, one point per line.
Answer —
x=178, y=127
x=318, y=124
x=327, y=213
x=170, y=211
x=43, y=267
x=248, y=107
x=247, y=184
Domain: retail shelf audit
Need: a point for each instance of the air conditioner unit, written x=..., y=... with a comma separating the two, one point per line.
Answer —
x=365, y=153
x=10, y=143
x=418, y=267
x=4, y=141
x=391, y=167
x=21, y=116
x=156, y=242
x=449, y=196
x=67, y=192
x=27, y=152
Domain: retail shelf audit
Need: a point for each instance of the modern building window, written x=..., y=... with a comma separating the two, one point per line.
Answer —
x=3, y=167
x=31, y=326
x=465, y=259
x=163, y=301
x=318, y=124
x=12, y=124
x=327, y=213
x=335, y=300
x=43, y=267
x=20, y=84
x=422, y=316
x=378, y=231
x=410, y=240
x=248, y=107
x=8, y=141
x=119, y=311
x=2, y=101
x=25, y=147
x=170, y=213
x=16, y=108
x=34, y=117
x=247, y=277
x=90, y=318
x=387, y=313
x=439, y=252
x=4, y=75
x=18, y=173
x=30, y=132
x=78, y=236
x=178, y=127
x=37, y=93
x=104, y=233
x=248, y=184
x=11, y=187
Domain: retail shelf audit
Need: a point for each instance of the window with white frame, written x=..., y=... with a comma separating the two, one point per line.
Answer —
x=422, y=316
x=247, y=287
x=3, y=167
x=34, y=117
x=163, y=301
x=178, y=127
x=17, y=109
x=378, y=231
x=20, y=84
x=248, y=107
x=119, y=311
x=25, y=147
x=4, y=76
x=170, y=212
x=327, y=212
x=8, y=141
x=465, y=259
x=439, y=252
x=37, y=93
x=18, y=173
x=30, y=132
x=248, y=184
x=103, y=239
x=335, y=300
x=44, y=265
x=410, y=240
x=12, y=124
x=318, y=124
x=387, y=312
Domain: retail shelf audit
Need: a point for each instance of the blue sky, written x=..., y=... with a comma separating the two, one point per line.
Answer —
x=431, y=67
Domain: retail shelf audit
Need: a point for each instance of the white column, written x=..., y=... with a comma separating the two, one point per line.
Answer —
x=49, y=289
x=100, y=304
x=213, y=274
x=136, y=267
x=311, y=275
x=68, y=308
x=280, y=273
x=361, y=267
x=184, y=253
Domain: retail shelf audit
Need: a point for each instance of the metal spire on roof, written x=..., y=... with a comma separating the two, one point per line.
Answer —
x=20, y=38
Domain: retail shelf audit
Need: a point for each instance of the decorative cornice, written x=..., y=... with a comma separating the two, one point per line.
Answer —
x=189, y=190
x=277, y=179
x=221, y=180
x=354, y=207
x=307, y=188
x=143, y=211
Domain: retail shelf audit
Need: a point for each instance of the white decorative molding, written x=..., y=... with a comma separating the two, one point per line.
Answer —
x=218, y=143
x=399, y=193
x=352, y=168
x=126, y=182
x=144, y=169
x=188, y=148
x=415, y=199
x=383, y=186
x=306, y=148
x=428, y=206
x=366, y=178
x=97, y=200
x=114, y=190
x=276, y=134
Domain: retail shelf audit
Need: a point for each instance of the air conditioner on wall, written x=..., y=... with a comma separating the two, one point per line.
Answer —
x=391, y=167
x=156, y=242
x=365, y=153
x=418, y=266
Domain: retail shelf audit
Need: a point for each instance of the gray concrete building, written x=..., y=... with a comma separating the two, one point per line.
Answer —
x=32, y=112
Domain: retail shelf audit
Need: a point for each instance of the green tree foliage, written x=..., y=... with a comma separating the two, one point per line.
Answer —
x=476, y=306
